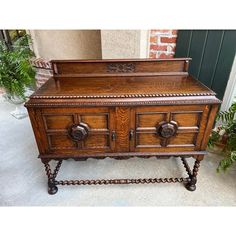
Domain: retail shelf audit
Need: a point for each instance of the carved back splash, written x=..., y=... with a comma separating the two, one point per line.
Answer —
x=107, y=68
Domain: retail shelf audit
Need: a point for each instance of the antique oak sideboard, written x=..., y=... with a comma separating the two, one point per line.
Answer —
x=121, y=109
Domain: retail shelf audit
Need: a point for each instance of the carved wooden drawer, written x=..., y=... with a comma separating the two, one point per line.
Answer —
x=78, y=130
x=169, y=128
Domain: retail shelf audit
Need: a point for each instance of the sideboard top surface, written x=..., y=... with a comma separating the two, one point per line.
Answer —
x=122, y=87
x=121, y=82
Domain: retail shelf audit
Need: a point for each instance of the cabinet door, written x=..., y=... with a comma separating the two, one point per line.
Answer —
x=78, y=130
x=168, y=128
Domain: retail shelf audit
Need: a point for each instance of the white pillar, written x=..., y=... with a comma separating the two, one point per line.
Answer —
x=124, y=44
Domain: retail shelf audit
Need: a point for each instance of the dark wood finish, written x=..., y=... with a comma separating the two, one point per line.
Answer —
x=121, y=109
x=190, y=182
x=84, y=68
x=122, y=87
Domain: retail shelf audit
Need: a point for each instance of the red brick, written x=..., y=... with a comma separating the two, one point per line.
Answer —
x=152, y=55
x=41, y=79
x=174, y=32
x=154, y=31
x=160, y=31
x=164, y=31
x=153, y=39
x=158, y=47
x=168, y=40
x=41, y=63
x=165, y=56
x=171, y=48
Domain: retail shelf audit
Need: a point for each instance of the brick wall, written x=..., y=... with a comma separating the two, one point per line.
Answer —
x=162, y=43
x=43, y=71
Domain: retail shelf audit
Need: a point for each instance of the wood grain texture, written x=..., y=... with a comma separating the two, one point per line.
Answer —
x=98, y=67
x=121, y=102
x=210, y=122
x=58, y=122
x=121, y=109
x=122, y=129
x=122, y=87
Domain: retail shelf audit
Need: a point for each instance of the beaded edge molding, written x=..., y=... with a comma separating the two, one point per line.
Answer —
x=207, y=101
x=122, y=96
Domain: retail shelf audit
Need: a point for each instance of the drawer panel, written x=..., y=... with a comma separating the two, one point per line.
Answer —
x=147, y=139
x=57, y=121
x=190, y=121
x=187, y=119
x=99, y=121
x=60, y=142
x=183, y=139
x=63, y=134
x=97, y=141
x=150, y=119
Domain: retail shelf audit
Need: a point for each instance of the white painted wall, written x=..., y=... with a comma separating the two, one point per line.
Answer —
x=230, y=92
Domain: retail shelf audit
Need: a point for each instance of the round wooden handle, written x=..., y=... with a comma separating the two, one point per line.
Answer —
x=167, y=129
x=78, y=132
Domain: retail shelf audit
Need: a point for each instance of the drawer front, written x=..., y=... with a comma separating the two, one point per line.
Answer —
x=78, y=130
x=168, y=128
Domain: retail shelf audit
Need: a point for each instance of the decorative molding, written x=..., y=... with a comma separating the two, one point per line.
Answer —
x=122, y=96
x=109, y=103
x=119, y=156
x=120, y=67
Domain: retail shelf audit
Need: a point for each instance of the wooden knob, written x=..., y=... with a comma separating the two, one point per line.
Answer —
x=78, y=132
x=167, y=129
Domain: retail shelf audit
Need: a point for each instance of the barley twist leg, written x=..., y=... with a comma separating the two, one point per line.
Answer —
x=52, y=188
x=191, y=185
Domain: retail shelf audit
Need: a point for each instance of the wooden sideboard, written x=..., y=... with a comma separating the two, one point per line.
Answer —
x=121, y=109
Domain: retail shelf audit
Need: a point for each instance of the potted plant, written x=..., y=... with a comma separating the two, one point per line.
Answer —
x=17, y=74
x=224, y=136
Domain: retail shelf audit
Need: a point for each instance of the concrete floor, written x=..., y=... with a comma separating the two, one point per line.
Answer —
x=23, y=180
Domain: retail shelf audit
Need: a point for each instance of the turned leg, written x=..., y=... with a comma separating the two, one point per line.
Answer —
x=191, y=185
x=52, y=188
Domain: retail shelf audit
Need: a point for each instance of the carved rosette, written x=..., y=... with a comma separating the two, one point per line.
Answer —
x=167, y=129
x=120, y=67
x=78, y=132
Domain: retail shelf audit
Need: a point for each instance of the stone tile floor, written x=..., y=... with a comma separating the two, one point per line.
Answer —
x=23, y=180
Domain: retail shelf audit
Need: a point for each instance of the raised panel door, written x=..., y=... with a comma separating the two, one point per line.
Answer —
x=168, y=128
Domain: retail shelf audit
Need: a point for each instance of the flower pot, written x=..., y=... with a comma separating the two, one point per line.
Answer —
x=20, y=111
